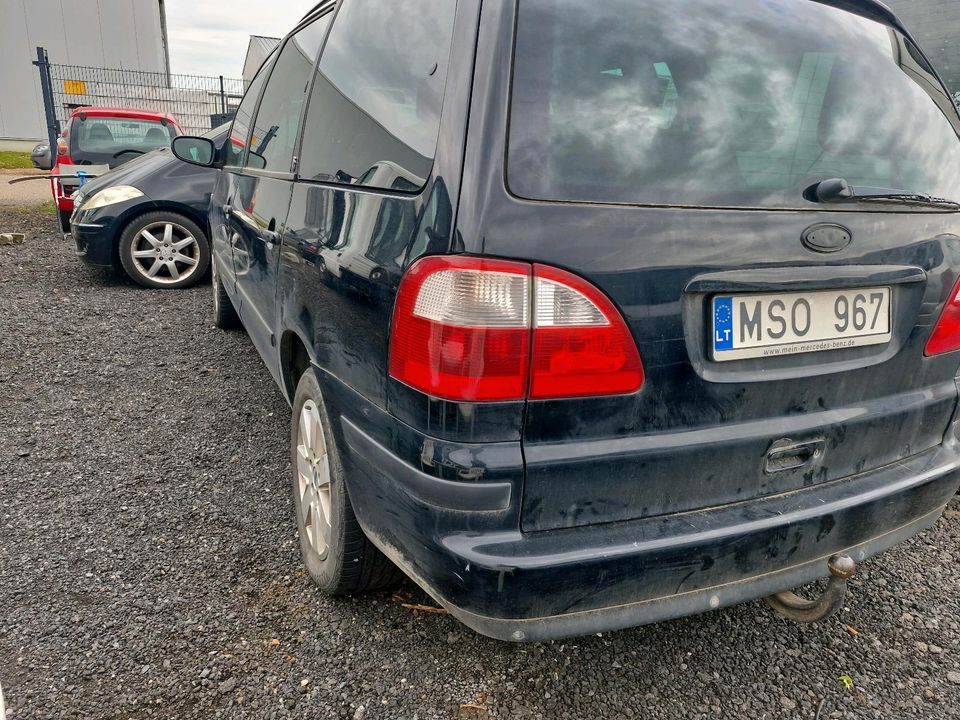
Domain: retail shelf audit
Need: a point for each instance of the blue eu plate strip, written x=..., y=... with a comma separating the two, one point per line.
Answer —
x=723, y=323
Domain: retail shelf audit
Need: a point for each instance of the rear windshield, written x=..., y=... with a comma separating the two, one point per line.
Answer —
x=721, y=103
x=104, y=138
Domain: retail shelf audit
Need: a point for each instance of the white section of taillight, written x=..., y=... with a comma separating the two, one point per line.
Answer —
x=561, y=306
x=474, y=298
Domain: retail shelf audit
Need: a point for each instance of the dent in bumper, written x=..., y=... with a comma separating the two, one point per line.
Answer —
x=447, y=494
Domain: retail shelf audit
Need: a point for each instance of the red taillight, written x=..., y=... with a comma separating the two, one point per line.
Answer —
x=946, y=333
x=461, y=329
x=478, y=330
x=581, y=345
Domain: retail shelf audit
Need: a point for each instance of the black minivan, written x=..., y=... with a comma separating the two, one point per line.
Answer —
x=594, y=314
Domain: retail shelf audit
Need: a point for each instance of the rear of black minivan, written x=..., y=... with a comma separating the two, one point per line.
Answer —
x=709, y=282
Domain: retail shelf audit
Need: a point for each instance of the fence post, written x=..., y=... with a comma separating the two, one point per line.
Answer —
x=223, y=97
x=46, y=88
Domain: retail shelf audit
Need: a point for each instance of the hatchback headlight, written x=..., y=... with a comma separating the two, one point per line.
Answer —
x=111, y=196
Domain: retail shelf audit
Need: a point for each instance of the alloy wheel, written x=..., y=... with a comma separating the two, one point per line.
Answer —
x=313, y=475
x=165, y=252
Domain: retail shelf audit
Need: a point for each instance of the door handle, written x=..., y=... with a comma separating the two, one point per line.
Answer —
x=786, y=455
x=269, y=233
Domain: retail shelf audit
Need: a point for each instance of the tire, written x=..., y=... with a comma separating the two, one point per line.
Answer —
x=340, y=558
x=225, y=315
x=164, y=250
x=64, y=216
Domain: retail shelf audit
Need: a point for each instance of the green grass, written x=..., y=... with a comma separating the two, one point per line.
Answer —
x=47, y=208
x=10, y=160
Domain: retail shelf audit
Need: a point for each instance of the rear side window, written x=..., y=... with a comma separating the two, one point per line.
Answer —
x=374, y=111
x=720, y=103
x=278, y=119
x=108, y=136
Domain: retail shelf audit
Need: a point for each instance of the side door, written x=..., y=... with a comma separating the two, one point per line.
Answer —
x=223, y=232
x=261, y=187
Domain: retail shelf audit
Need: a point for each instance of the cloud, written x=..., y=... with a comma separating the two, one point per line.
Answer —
x=210, y=37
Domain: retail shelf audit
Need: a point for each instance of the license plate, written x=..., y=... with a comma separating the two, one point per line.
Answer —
x=754, y=326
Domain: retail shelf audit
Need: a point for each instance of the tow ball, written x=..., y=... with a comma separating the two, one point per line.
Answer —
x=793, y=607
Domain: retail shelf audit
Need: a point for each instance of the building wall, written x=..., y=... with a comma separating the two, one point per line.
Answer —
x=100, y=33
x=936, y=26
x=258, y=50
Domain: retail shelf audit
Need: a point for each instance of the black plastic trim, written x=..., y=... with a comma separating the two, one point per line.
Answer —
x=466, y=497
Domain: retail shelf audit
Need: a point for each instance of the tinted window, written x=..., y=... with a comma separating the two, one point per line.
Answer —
x=241, y=122
x=278, y=119
x=374, y=113
x=720, y=102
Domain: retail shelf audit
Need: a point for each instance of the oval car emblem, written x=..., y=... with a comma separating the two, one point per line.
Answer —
x=827, y=238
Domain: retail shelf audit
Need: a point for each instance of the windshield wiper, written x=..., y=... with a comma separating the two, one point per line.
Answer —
x=838, y=190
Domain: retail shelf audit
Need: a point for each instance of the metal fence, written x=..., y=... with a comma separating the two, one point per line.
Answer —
x=196, y=101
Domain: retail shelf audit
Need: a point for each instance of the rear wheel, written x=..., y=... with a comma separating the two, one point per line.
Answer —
x=225, y=314
x=338, y=555
x=164, y=250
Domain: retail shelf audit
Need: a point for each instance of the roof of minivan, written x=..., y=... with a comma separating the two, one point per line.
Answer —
x=873, y=8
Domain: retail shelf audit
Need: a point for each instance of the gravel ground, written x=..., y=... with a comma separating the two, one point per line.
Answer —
x=149, y=568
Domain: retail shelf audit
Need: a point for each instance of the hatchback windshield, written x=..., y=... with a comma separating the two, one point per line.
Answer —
x=105, y=140
x=721, y=103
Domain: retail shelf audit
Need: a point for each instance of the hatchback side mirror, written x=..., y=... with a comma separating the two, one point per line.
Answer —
x=194, y=150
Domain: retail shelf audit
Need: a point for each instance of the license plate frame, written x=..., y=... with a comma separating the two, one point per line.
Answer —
x=747, y=326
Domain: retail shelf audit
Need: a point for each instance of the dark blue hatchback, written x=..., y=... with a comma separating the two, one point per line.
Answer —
x=598, y=314
x=148, y=218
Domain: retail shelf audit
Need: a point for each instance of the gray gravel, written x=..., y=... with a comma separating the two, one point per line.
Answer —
x=148, y=564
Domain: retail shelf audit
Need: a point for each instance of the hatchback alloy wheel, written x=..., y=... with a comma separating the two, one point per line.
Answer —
x=166, y=252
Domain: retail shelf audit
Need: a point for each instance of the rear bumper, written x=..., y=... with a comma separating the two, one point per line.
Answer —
x=682, y=603
x=460, y=540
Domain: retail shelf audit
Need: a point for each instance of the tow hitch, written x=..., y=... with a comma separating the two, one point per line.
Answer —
x=793, y=607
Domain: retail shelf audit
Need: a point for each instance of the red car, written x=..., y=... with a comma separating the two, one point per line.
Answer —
x=102, y=136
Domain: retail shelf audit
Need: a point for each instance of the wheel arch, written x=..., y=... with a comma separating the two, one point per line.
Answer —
x=295, y=358
x=198, y=217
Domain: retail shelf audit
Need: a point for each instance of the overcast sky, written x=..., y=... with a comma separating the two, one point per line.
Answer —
x=209, y=37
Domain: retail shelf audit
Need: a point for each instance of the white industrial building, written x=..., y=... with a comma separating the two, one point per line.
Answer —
x=258, y=49
x=127, y=34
